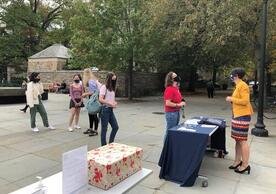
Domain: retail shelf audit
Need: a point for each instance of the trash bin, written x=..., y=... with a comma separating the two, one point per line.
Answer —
x=44, y=96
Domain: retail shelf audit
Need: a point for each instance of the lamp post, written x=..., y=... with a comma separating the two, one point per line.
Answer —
x=259, y=129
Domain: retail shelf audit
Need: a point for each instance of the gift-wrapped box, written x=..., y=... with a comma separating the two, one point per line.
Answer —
x=112, y=163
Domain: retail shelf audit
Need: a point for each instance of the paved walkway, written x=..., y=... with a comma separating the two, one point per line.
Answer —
x=24, y=155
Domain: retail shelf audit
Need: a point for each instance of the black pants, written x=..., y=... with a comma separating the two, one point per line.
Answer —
x=93, y=120
x=210, y=92
x=26, y=107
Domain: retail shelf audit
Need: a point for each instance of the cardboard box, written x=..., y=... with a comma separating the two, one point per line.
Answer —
x=112, y=163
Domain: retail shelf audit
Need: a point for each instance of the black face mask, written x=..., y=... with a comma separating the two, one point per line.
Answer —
x=77, y=81
x=177, y=79
x=113, y=82
x=36, y=80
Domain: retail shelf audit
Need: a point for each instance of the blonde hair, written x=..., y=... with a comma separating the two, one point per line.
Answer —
x=88, y=75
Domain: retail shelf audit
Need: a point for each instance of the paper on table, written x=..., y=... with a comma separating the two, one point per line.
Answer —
x=74, y=170
x=192, y=122
x=208, y=126
x=186, y=129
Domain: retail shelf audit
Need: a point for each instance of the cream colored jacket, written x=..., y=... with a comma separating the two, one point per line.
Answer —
x=33, y=91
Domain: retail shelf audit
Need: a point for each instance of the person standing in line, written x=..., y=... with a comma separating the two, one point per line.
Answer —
x=76, y=102
x=91, y=83
x=242, y=111
x=107, y=98
x=33, y=94
x=172, y=101
x=210, y=89
x=24, y=86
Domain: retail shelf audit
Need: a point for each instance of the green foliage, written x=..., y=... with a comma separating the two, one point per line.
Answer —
x=108, y=34
x=144, y=35
x=27, y=27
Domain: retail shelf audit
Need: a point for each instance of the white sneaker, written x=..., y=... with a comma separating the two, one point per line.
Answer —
x=77, y=127
x=51, y=127
x=35, y=129
x=70, y=129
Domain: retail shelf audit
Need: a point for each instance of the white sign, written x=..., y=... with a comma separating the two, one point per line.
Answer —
x=74, y=170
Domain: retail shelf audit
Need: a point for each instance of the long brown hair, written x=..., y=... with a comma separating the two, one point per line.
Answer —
x=169, y=79
x=108, y=81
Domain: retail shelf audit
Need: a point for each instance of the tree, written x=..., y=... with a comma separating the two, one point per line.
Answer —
x=26, y=25
x=110, y=35
x=187, y=35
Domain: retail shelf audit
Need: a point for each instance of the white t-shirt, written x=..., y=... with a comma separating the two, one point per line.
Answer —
x=108, y=95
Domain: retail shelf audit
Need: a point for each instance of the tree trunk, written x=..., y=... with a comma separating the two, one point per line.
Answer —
x=3, y=74
x=193, y=78
x=130, y=78
x=214, y=74
x=255, y=76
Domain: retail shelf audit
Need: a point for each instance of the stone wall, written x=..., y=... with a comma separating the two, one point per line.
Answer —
x=47, y=64
x=147, y=84
x=143, y=83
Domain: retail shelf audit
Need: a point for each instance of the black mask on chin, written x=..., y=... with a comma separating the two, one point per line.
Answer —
x=77, y=81
x=36, y=80
x=177, y=79
x=113, y=82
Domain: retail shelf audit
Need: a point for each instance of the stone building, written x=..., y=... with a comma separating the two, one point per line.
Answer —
x=50, y=59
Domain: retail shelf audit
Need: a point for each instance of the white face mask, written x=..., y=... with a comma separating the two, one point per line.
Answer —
x=232, y=78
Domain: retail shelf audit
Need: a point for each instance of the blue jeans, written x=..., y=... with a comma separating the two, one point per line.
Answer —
x=108, y=116
x=172, y=120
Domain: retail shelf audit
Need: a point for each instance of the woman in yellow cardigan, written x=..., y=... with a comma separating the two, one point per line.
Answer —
x=242, y=111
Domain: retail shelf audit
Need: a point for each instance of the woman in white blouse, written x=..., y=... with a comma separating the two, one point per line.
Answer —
x=33, y=94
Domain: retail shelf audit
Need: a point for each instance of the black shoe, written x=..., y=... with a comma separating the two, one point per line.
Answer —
x=96, y=132
x=93, y=133
x=87, y=131
x=234, y=167
x=23, y=110
x=247, y=169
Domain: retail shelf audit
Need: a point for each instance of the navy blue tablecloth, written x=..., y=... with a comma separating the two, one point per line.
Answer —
x=182, y=155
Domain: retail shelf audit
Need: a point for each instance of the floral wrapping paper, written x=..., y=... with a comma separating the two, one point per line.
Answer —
x=110, y=164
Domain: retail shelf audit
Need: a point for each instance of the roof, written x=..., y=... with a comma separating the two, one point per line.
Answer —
x=54, y=51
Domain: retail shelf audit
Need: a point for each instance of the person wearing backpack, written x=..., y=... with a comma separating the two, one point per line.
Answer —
x=76, y=102
x=92, y=86
x=107, y=98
